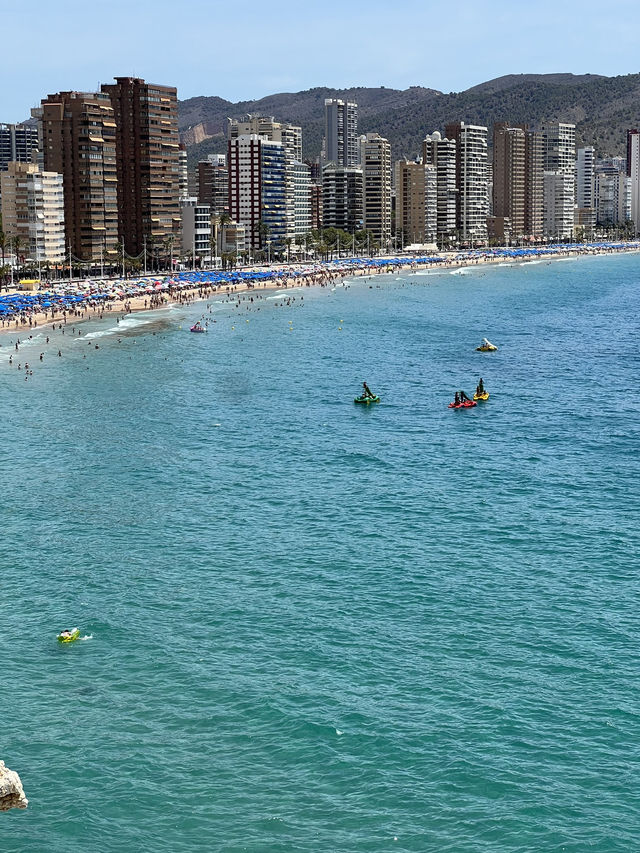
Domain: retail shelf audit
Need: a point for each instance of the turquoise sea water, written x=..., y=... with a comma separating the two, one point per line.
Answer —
x=323, y=627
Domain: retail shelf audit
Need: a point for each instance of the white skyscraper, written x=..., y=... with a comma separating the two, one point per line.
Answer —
x=559, y=204
x=585, y=176
x=559, y=180
x=633, y=171
x=340, y=132
x=441, y=154
x=471, y=171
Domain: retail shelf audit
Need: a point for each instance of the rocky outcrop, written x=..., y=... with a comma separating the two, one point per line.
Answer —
x=11, y=793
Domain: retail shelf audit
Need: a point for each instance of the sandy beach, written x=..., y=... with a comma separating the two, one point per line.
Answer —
x=161, y=291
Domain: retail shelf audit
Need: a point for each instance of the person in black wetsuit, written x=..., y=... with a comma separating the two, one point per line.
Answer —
x=367, y=391
x=456, y=398
x=480, y=387
x=464, y=398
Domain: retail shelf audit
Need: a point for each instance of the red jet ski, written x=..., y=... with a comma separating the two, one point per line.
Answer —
x=465, y=404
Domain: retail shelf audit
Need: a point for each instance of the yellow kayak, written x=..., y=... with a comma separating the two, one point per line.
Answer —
x=483, y=396
x=492, y=348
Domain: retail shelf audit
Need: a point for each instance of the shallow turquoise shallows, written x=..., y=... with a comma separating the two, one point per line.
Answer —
x=323, y=627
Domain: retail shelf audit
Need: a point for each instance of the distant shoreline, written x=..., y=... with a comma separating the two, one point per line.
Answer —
x=292, y=275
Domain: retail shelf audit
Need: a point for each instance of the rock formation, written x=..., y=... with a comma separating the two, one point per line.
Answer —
x=11, y=793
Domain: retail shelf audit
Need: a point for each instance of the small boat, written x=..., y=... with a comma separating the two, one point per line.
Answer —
x=484, y=396
x=69, y=636
x=486, y=346
x=365, y=399
x=466, y=404
x=197, y=327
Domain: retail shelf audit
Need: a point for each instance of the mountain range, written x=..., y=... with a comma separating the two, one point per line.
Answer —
x=602, y=108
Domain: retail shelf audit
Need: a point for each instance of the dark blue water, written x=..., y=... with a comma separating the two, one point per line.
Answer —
x=318, y=626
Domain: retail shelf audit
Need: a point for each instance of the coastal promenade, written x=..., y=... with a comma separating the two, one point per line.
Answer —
x=90, y=298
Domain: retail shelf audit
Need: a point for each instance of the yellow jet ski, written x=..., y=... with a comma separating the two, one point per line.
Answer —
x=69, y=636
x=486, y=346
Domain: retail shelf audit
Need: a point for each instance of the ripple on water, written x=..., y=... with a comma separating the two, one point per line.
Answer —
x=318, y=628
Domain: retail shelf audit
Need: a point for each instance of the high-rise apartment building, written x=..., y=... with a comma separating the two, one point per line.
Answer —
x=441, y=154
x=560, y=146
x=633, y=172
x=612, y=198
x=78, y=141
x=585, y=176
x=315, y=192
x=302, y=199
x=18, y=142
x=196, y=230
x=375, y=158
x=612, y=192
x=341, y=132
x=342, y=197
x=416, y=202
x=533, y=183
x=257, y=189
x=471, y=174
x=559, y=179
x=518, y=179
x=509, y=176
x=289, y=136
x=183, y=171
x=559, y=204
x=33, y=211
x=148, y=160
x=213, y=183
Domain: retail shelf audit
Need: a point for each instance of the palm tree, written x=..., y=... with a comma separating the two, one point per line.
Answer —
x=4, y=240
x=263, y=231
x=212, y=246
x=18, y=244
x=223, y=220
x=288, y=241
x=167, y=245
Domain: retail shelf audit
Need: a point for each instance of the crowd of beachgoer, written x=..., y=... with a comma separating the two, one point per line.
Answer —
x=92, y=298
x=64, y=307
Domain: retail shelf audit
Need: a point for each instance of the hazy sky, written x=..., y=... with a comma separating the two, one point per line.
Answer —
x=279, y=46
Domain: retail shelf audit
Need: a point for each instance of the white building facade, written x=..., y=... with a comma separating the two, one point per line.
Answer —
x=586, y=176
x=633, y=171
x=471, y=172
x=33, y=211
x=302, y=200
x=196, y=228
x=340, y=132
x=440, y=153
x=559, y=180
x=559, y=205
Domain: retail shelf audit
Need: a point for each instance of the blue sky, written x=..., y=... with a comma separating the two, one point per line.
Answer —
x=275, y=46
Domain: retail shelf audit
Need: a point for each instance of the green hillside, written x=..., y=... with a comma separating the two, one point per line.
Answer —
x=602, y=108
